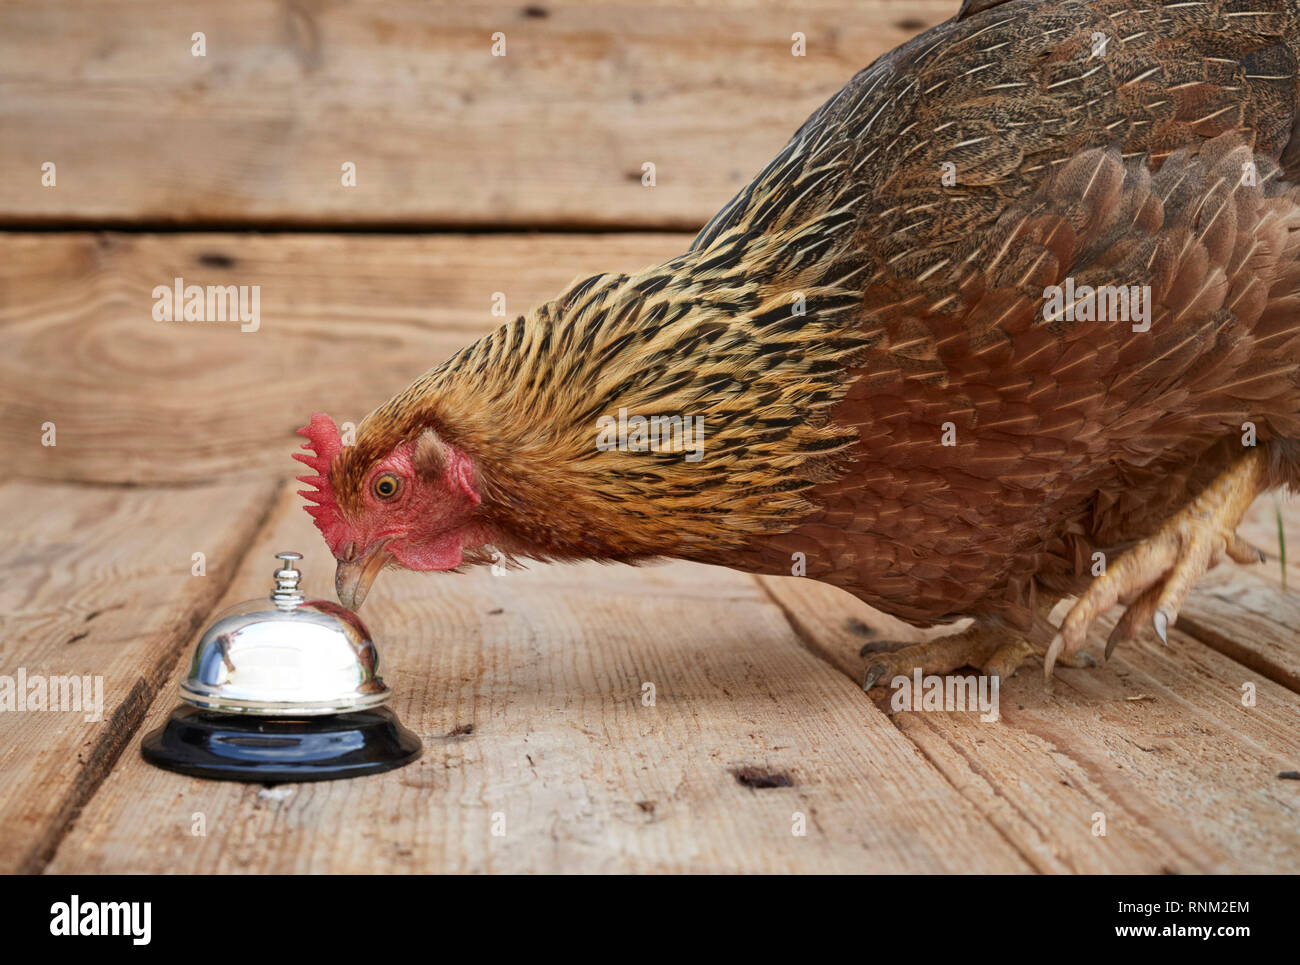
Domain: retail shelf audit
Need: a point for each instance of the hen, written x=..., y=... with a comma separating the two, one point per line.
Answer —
x=912, y=357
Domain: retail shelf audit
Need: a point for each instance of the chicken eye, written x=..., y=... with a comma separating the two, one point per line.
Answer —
x=386, y=486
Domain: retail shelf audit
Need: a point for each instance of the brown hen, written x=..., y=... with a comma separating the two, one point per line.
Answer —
x=890, y=398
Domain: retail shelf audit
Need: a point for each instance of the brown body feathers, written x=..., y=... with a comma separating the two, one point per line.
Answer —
x=878, y=291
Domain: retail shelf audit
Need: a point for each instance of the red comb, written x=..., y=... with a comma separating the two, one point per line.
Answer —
x=324, y=441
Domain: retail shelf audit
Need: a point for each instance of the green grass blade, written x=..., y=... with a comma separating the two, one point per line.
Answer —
x=1281, y=536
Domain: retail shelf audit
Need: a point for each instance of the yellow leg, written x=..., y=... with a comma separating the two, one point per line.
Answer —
x=1155, y=576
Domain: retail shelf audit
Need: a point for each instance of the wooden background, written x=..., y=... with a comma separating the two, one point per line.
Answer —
x=478, y=175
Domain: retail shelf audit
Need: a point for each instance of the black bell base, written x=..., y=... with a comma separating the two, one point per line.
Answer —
x=273, y=750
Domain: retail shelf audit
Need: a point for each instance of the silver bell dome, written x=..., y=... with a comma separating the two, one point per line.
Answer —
x=285, y=656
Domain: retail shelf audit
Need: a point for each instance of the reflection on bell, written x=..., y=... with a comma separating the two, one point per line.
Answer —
x=285, y=691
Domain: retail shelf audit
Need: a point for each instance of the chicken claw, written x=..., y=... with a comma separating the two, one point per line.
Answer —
x=1154, y=577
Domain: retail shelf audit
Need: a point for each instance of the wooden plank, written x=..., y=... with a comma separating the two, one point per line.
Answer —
x=1158, y=742
x=97, y=582
x=1248, y=617
x=1186, y=778
x=346, y=321
x=442, y=133
x=548, y=668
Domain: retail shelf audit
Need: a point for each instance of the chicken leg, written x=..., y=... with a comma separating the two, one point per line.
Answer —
x=1154, y=577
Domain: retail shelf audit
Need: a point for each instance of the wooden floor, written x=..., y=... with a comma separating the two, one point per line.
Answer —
x=173, y=439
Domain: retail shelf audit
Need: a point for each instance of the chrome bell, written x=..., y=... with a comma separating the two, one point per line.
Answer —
x=283, y=689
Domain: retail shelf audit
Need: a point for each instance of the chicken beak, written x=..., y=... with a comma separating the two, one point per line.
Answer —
x=352, y=579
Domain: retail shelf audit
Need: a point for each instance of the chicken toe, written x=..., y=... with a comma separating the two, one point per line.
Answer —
x=996, y=649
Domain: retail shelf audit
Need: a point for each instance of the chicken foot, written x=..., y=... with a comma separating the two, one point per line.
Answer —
x=995, y=648
x=1154, y=577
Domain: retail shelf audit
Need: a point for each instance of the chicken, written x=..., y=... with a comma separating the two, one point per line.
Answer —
x=1014, y=316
